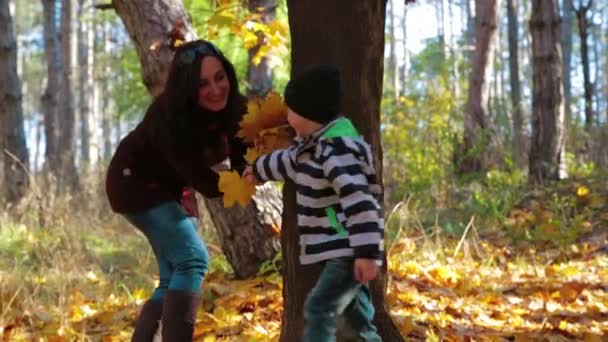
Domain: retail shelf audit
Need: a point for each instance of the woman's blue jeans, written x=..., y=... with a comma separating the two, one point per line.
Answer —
x=181, y=254
x=338, y=295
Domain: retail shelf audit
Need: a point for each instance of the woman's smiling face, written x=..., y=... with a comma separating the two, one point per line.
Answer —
x=214, y=86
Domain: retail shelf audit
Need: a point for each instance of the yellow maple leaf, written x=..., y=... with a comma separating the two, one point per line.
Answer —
x=250, y=125
x=235, y=189
x=252, y=155
x=274, y=110
x=262, y=114
x=271, y=139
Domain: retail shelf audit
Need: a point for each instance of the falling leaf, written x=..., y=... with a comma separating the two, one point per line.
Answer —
x=235, y=189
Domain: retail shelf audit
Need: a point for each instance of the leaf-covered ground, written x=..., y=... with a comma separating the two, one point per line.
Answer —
x=548, y=295
x=541, y=274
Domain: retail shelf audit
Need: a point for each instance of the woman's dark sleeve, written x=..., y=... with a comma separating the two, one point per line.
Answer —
x=237, y=155
x=193, y=170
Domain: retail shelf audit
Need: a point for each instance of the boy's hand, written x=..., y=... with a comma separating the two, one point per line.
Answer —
x=249, y=176
x=365, y=269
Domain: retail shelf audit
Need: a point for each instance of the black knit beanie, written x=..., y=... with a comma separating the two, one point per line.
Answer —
x=315, y=93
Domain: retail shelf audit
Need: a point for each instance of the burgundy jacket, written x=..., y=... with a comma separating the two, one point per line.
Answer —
x=143, y=172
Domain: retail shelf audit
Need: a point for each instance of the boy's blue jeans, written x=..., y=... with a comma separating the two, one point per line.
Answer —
x=338, y=295
x=181, y=254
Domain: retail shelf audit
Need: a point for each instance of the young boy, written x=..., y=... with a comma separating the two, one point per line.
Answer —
x=340, y=220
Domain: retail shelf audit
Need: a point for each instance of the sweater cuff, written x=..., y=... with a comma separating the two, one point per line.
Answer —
x=368, y=252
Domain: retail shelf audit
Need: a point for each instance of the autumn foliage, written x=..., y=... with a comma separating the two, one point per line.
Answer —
x=264, y=126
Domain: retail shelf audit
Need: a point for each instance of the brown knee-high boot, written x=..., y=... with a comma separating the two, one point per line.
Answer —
x=147, y=321
x=179, y=315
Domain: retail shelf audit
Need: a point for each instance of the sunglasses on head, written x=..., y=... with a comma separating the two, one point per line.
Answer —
x=207, y=49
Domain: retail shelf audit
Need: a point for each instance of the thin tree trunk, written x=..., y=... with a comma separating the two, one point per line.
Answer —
x=259, y=76
x=478, y=130
x=241, y=230
x=12, y=141
x=392, y=53
x=83, y=83
x=583, y=32
x=514, y=72
x=67, y=118
x=406, y=55
x=547, y=102
x=455, y=75
x=49, y=99
x=317, y=31
x=106, y=121
x=567, y=23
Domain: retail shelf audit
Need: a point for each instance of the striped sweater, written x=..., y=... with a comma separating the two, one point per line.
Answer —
x=338, y=211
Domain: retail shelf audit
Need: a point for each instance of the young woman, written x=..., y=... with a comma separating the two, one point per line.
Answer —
x=187, y=133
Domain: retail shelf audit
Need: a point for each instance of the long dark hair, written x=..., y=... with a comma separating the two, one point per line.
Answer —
x=176, y=125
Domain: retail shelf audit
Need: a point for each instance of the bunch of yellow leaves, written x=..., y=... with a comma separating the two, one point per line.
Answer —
x=265, y=126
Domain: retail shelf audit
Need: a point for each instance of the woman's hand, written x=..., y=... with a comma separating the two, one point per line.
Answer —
x=249, y=176
x=365, y=269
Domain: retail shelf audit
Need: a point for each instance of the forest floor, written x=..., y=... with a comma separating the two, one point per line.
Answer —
x=541, y=274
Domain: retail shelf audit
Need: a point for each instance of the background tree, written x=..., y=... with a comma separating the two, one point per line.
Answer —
x=50, y=97
x=68, y=175
x=546, y=151
x=478, y=128
x=351, y=36
x=582, y=20
x=518, y=142
x=13, y=148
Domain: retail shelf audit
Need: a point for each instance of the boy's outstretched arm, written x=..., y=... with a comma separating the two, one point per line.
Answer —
x=278, y=165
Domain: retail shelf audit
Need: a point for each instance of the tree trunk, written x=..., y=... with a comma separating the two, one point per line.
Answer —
x=248, y=243
x=583, y=26
x=516, y=102
x=478, y=131
x=393, y=65
x=455, y=74
x=259, y=77
x=11, y=113
x=67, y=118
x=148, y=23
x=49, y=100
x=106, y=114
x=547, y=100
x=83, y=85
x=406, y=56
x=567, y=22
x=350, y=35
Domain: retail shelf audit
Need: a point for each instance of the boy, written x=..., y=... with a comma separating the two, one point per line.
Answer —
x=339, y=216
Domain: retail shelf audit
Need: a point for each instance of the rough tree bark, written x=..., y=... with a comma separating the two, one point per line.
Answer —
x=49, y=99
x=68, y=175
x=349, y=34
x=518, y=142
x=583, y=33
x=12, y=140
x=478, y=128
x=84, y=90
x=547, y=100
x=243, y=232
x=567, y=45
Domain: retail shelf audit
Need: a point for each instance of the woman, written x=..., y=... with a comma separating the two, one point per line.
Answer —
x=188, y=132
